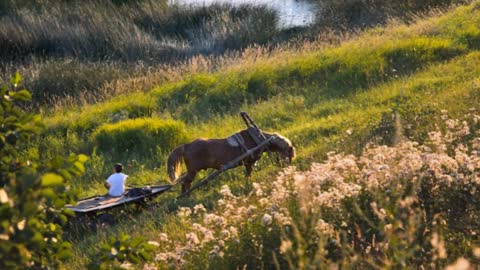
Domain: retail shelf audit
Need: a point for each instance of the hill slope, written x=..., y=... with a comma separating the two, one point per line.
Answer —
x=388, y=85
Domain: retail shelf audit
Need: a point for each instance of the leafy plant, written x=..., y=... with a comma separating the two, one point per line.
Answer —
x=122, y=250
x=32, y=192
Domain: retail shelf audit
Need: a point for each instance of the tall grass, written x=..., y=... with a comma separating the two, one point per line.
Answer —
x=118, y=41
x=353, y=85
x=379, y=209
x=149, y=31
x=361, y=13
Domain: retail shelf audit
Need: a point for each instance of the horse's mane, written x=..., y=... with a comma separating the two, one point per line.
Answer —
x=282, y=138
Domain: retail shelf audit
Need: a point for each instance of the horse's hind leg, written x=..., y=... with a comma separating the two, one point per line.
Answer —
x=185, y=187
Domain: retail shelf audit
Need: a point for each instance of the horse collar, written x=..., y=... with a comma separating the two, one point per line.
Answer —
x=256, y=134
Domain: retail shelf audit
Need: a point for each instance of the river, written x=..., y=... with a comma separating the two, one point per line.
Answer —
x=291, y=13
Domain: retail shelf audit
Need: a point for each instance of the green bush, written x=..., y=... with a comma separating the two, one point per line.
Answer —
x=121, y=251
x=32, y=192
x=142, y=135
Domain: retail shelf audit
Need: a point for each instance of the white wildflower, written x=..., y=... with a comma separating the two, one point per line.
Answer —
x=266, y=220
x=208, y=236
x=163, y=237
x=323, y=228
x=225, y=191
x=225, y=234
x=154, y=243
x=126, y=265
x=233, y=231
x=161, y=257
x=439, y=245
x=150, y=266
x=199, y=209
x=263, y=202
x=257, y=189
x=251, y=209
x=192, y=238
x=184, y=212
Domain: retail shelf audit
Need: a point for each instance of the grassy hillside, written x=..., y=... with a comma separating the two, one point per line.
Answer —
x=386, y=86
x=105, y=48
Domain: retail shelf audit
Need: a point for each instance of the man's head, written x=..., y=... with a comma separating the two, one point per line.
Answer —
x=118, y=167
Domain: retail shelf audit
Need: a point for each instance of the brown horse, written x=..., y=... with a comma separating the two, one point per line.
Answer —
x=214, y=153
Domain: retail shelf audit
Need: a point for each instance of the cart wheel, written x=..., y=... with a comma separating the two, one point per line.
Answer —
x=141, y=204
x=105, y=219
x=79, y=222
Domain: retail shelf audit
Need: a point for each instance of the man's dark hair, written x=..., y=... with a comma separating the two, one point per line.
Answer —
x=118, y=167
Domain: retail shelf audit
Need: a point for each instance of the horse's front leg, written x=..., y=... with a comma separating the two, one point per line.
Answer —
x=187, y=181
x=248, y=170
x=248, y=173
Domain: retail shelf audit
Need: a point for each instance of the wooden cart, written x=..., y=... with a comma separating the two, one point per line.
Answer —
x=93, y=206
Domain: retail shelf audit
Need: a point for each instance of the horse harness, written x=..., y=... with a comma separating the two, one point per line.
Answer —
x=240, y=141
x=255, y=133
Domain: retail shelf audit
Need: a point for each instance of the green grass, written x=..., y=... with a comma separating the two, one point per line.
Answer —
x=331, y=99
x=144, y=136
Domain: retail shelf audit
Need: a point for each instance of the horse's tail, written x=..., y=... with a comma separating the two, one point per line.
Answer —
x=174, y=163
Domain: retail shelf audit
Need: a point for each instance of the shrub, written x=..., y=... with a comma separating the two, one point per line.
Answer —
x=32, y=192
x=142, y=135
x=121, y=251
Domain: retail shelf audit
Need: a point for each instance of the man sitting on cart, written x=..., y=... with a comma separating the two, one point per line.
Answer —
x=116, y=182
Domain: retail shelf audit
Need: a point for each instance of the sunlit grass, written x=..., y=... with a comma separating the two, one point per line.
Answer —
x=324, y=99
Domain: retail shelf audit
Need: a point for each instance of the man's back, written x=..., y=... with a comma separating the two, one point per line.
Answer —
x=117, y=184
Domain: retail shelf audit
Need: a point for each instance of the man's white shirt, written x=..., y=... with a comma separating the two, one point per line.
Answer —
x=117, y=184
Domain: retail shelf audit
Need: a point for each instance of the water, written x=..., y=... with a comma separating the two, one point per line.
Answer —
x=291, y=13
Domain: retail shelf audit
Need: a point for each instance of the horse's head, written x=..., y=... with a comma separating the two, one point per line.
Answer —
x=282, y=146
